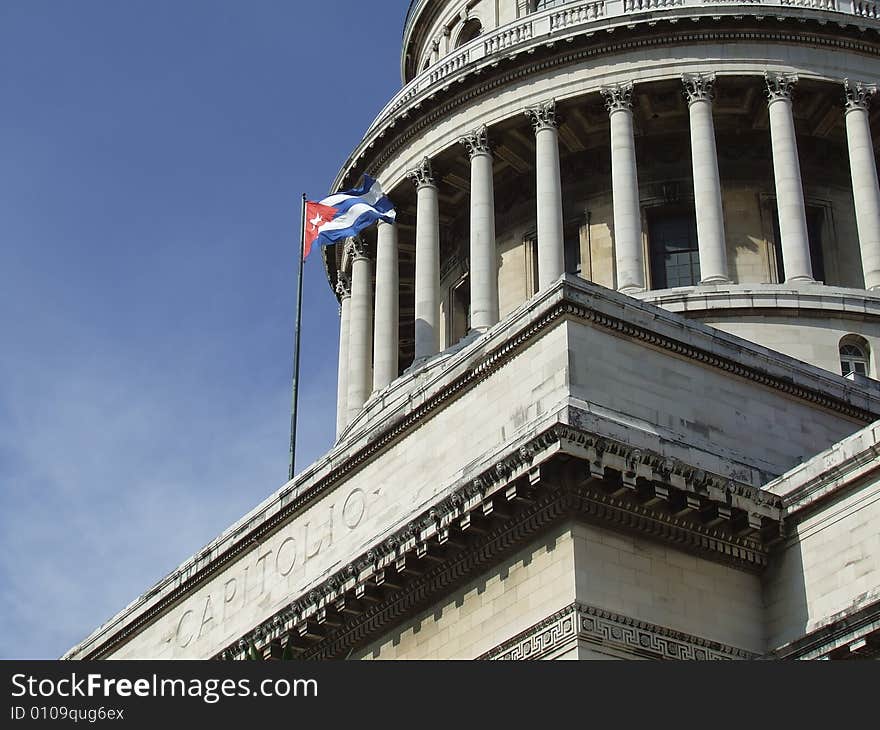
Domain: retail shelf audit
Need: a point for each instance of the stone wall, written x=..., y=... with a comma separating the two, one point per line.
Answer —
x=642, y=580
x=815, y=340
x=828, y=566
x=534, y=583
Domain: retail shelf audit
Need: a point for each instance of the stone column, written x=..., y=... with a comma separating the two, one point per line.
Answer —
x=483, y=263
x=863, y=169
x=787, y=175
x=551, y=251
x=343, y=289
x=360, y=337
x=707, y=182
x=629, y=258
x=427, y=277
x=386, y=342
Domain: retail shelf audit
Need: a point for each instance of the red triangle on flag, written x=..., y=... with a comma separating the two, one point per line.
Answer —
x=316, y=216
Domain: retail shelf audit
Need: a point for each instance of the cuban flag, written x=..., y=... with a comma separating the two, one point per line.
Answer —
x=346, y=214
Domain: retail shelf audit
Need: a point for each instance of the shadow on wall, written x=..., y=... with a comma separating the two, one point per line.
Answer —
x=426, y=332
x=786, y=614
x=491, y=599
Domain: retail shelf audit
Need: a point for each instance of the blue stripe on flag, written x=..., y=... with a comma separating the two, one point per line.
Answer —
x=367, y=218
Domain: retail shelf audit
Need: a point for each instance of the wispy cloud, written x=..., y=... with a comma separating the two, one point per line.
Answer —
x=113, y=474
x=148, y=229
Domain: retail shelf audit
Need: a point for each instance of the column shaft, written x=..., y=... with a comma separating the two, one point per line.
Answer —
x=427, y=275
x=625, y=197
x=483, y=255
x=344, y=290
x=551, y=251
x=863, y=168
x=787, y=176
x=548, y=183
x=385, y=343
x=360, y=375
x=707, y=182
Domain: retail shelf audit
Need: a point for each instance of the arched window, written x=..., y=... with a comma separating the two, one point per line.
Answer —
x=470, y=30
x=854, y=355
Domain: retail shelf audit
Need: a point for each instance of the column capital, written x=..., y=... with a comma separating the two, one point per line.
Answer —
x=343, y=285
x=698, y=87
x=779, y=86
x=423, y=175
x=358, y=248
x=477, y=142
x=618, y=97
x=543, y=115
x=857, y=94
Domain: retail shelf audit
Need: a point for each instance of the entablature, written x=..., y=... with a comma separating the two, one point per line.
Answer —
x=640, y=479
x=560, y=473
x=552, y=34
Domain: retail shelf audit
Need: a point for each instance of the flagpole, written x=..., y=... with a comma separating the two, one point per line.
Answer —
x=299, y=296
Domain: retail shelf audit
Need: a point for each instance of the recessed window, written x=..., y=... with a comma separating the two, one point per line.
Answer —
x=815, y=226
x=853, y=358
x=675, y=258
x=470, y=30
x=459, y=310
x=571, y=236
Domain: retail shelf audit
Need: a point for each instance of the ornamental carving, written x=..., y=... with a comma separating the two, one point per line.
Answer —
x=858, y=95
x=779, y=85
x=477, y=142
x=343, y=285
x=617, y=632
x=618, y=97
x=698, y=87
x=543, y=115
x=423, y=175
x=357, y=248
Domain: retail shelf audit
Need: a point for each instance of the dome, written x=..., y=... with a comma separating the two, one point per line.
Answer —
x=713, y=158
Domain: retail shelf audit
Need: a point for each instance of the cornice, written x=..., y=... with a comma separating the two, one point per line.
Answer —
x=655, y=31
x=525, y=475
x=722, y=363
x=806, y=300
x=611, y=630
x=846, y=630
x=576, y=301
x=836, y=470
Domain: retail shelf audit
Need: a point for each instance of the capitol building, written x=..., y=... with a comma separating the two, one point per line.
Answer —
x=608, y=388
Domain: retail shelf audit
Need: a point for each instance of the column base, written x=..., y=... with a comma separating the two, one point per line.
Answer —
x=714, y=280
x=632, y=290
x=801, y=280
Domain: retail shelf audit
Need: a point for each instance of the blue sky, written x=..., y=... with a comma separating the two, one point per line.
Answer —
x=152, y=156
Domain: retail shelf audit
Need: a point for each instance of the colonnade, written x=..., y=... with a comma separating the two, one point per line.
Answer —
x=368, y=352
